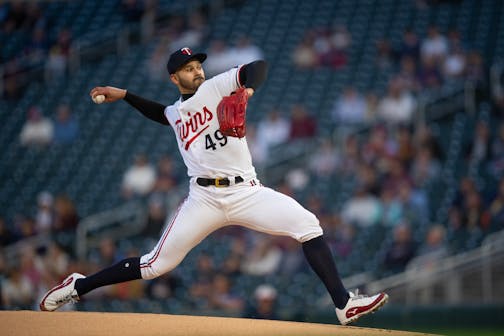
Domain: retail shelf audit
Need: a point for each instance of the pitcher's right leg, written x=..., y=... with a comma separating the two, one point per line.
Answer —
x=193, y=221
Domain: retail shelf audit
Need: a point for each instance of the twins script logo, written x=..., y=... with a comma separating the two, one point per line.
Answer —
x=190, y=129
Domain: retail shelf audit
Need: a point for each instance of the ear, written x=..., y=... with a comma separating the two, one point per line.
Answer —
x=174, y=79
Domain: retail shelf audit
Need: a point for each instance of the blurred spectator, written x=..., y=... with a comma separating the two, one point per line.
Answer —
x=166, y=177
x=475, y=216
x=139, y=179
x=410, y=46
x=58, y=61
x=340, y=37
x=372, y=102
x=219, y=58
x=454, y=65
x=398, y=106
x=302, y=124
x=340, y=236
x=37, y=131
x=405, y=149
x=292, y=256
x=401, y=250
x=425, y=168
x=6, y=235
x=44, y=219
x=192, y=34
x=272, y=130
x=201, y=286
x=156, y=63
x=108, y=253
x=297, y=179
x=264, y=306
x=222, y=296
x=378, y=148
x=350, y=158
x=304, y=55
x=231, y=266
x=256, y=147
x=367, y=177
x=65, y=214
x=36, y=49
x=496, y=163
x=434, y=45
x=479, y=149
x=429, y=75
x=66, y=127
x=31, y=265
x=433, y=249
x=148, y=20
x=245, y=51
x=156, y=216
x=391, y=211
x=263, y=259
x=11, y=80
x=466, y=186
x=325, y=160
x=163, y=287
x=395, y=174
x=55, y=261
x=16, y=290
x=362, y=209
x=475, y=69
x=24, y=227
x=496, y=208
x=415, y=203
x=408, y=75
x=350, y=108
x=384, y=54
x=423, y=137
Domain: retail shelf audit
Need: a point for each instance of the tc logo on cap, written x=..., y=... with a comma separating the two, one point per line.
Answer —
x=186, y=51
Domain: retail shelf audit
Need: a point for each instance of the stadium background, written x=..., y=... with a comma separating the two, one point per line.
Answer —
x=64, y=206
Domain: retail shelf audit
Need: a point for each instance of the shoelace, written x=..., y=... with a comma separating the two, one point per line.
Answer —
x=70, y=298
x=356, y=295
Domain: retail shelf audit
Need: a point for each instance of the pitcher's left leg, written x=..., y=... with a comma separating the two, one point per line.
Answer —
x=271, y=212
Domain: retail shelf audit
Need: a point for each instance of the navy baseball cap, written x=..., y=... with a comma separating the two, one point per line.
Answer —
x=181, y=57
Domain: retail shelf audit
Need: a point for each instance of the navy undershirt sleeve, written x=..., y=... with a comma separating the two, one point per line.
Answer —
x=150, y=109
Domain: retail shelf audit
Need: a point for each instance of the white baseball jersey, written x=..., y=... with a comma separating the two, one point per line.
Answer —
x=209, y=154
x=206, y=152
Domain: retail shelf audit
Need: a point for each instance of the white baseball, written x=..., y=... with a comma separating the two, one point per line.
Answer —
x=98, y=99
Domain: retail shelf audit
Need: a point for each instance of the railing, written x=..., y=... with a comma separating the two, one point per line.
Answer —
x=124, y=221
x=445, y=278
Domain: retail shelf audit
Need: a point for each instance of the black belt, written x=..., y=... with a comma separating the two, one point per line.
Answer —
x=219, y=182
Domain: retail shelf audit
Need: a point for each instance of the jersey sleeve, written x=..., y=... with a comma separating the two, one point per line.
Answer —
x=228, y=81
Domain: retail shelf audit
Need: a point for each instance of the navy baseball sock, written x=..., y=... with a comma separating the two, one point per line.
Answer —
x=125, y=270
x=320, y=258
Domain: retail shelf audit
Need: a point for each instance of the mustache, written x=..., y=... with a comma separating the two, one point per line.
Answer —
x=199, y=77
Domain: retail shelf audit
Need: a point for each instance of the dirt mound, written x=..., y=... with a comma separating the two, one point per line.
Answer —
x=21, y=323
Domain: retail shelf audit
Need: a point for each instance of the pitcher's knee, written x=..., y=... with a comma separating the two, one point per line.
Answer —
x=155, y=269
x=309, y=230
x=151, y=268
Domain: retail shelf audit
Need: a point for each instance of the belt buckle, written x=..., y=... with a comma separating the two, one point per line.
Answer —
x=218, y=183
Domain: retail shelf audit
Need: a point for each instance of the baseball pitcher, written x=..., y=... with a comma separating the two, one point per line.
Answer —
x=209, y=124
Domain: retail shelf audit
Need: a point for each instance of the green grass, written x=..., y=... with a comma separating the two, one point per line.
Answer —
x=466, y=332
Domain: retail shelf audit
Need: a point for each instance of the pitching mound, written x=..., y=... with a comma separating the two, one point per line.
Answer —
x=31, y=323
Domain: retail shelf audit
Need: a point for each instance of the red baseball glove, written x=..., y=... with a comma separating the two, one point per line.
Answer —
x=231, y=113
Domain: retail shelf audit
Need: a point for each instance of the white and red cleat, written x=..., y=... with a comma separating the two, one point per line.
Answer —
x=360, y=305
x=61, y=294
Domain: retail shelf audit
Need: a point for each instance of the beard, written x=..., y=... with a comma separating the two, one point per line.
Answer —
x=191, y=85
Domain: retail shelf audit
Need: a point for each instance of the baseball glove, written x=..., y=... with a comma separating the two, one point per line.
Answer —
x=231, y=113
